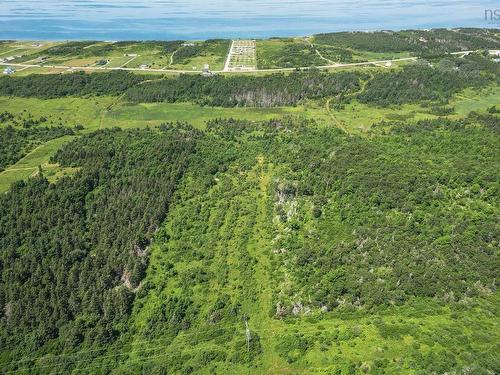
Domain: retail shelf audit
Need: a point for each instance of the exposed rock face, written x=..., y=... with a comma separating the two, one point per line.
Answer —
x=281, y=310
x=140, y=252
x=7, y=310
x=297, y=308
x=125, y=279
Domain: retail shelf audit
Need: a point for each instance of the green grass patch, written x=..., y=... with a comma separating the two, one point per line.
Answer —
x=28, y=166
x=64, y=111
x=153, y=114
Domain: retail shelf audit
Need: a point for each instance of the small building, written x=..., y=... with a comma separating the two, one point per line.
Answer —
x=9, y=70
x=144, y=66
x=102, y=62
x=206, y=71
x=496, y=60
x=188, y=44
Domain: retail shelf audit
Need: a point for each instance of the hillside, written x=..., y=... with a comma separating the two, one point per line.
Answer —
x=288, y=223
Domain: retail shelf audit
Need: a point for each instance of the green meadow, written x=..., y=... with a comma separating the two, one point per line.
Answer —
x=107, y=112
x=28, y=165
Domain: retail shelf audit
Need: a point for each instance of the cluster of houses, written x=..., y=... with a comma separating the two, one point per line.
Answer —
x=241, y=55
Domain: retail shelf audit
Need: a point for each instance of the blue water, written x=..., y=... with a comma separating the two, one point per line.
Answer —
x=190, y=19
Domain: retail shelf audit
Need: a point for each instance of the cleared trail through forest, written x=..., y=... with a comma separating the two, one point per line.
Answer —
x=332, y=116
x=259, y=247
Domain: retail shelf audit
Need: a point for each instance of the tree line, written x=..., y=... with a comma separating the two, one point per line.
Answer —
x=259, y=91
x=418, y=42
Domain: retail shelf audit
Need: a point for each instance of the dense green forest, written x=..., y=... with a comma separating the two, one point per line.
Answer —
x=348, y=225
x=267, y=91
x=388, y=199
x=435, y=81
x=352, y=228
x=49, y=86
x=74, y=252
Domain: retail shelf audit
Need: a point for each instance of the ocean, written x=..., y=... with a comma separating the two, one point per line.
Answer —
x=189, y=19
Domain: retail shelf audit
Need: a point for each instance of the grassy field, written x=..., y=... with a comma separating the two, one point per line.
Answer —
x=361, y=56
x=358, y=118
x=195, y=57
x=127, y=55
x=64, y=111
x=106, y=112
x=152, y=114
x=28, y=166
x=471, y=100
x=23, y=48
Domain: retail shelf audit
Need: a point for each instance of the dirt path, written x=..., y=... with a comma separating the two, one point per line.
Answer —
x=129, y=61
x=324, y=58
x=13, y=168
x=330, y=62
x=118, y=100
x=228, y=58
x=335, y=120
x=17, y=169
x=172, y=57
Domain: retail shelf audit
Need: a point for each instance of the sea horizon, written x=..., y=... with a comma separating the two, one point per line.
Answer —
x=189, y=20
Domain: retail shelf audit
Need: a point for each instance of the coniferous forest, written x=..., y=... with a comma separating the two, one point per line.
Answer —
x=283, y=238
x=351, y=225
